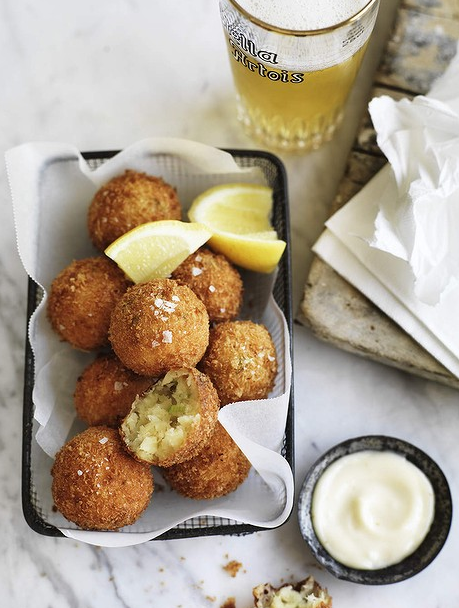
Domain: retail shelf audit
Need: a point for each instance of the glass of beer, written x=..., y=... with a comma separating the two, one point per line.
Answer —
x=294, y=63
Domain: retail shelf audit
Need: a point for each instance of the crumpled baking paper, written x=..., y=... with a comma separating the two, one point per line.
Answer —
x=51, y=186
x=396, y=239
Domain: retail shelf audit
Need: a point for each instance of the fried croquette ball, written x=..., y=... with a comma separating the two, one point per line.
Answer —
x=82, y=298
x=106, y=390
x=97, y=484
x=215, y=281
x=218, y=469
x=127, y=201
x=171, y=422
x=304, y=594
x=158, y=325
x=241, y=361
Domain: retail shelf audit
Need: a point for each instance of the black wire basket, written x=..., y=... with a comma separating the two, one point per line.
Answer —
x=275, y=176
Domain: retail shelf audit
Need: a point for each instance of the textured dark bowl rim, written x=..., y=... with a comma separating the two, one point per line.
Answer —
x=431, y=545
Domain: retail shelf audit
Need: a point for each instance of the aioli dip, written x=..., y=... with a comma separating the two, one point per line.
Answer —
x=372, y=509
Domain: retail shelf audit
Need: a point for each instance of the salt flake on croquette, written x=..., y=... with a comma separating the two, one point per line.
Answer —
x=241, y=361
x=105, y=391
x=158, y=325
x=215, y=281
x=97, y=484
x=127, y=201
x=81, y=299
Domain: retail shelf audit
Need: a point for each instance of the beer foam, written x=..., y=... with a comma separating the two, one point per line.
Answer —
x=303, y=14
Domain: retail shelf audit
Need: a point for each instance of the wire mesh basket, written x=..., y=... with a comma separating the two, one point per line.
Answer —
x=275, y=176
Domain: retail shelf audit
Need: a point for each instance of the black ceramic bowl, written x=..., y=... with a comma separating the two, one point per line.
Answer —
x=431, y=545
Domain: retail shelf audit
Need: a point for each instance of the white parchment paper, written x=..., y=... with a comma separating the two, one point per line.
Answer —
x=52, y=186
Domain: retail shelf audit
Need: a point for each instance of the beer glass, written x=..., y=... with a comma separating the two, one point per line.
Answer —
x=292, y=84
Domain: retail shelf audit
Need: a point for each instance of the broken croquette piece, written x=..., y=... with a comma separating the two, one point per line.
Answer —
x=173, y=420
x=127, y=201
x=159, y=325
x=96, y=484
x=106, y=390
x=82, y=298
x=241, y=361
x=215, y=281
x=218, y=469
x=305, y=594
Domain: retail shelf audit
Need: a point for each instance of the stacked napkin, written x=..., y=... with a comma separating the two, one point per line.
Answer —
x=397, y=240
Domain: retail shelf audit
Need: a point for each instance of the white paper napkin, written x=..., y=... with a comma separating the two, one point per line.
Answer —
x=420, y=138
x=396, y=240
x=51, y=187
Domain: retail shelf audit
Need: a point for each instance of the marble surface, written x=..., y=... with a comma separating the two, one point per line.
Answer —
x=101, y=76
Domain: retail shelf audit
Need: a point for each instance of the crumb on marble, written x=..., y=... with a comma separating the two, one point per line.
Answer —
x=229, y=603
x=232, y=567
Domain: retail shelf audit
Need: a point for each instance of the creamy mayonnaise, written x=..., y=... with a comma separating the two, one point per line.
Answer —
x=372, y=509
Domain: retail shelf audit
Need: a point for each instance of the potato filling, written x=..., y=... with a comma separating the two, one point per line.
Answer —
x=161, y=419
x=289, y=598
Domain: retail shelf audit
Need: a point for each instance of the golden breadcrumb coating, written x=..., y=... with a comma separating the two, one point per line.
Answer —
x=127, y=201
x=218, y=469
x=172, y=421
x=305, y=594
x=82, y=298
x=158, y=325
x=215, y=281
x=97, y=484
x=106, y=390
x=241, y=361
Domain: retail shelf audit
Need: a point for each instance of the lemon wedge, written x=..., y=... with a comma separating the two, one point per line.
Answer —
x=155, y=249
x=238, y=215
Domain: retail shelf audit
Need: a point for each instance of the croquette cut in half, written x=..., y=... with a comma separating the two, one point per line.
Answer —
x=218, y=469
x=125, y=202
x=172, y=421
x=82, y=298
x=304, y=594
x=241, y=361
x=106, y=389
x=215, y=281
x=158, y=325
x=96, y=484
